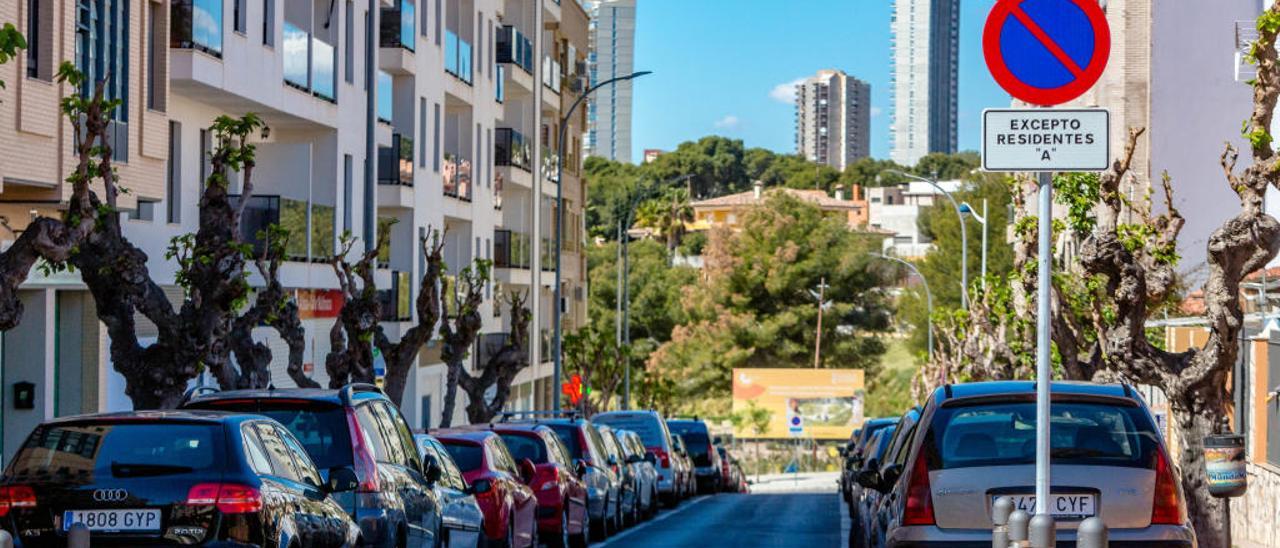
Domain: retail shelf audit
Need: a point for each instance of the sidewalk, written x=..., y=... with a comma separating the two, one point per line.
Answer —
x=805, y=482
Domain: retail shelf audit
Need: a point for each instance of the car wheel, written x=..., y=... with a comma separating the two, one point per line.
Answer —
x=583, y=538
x=510, y=541
x=563, y=541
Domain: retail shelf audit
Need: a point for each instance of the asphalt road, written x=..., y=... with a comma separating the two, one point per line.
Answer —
x=742, y=521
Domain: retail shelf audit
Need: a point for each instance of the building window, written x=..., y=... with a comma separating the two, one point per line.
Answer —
x=206, y=150
x=173, y=175
x=349, y=43
x=269, y=23
x=435, y=141
x=422, y=132
x=439, y=18
x=239, y=17
x=102, y=49
x=39, y=29
x=348, y=192
x=157, y=72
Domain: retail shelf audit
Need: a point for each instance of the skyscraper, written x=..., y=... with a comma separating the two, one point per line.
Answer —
x=833, y=118
x=613, y=46
x=926, y=45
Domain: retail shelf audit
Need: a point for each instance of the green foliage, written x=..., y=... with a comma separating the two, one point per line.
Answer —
x=10, y=42
x=946, y=167
x=1080, y=193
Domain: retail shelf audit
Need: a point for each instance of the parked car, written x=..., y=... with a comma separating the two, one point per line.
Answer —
x=356, y=428
x=705, y=459
x=727, y=482
x=628, y=508
x=743, y=485
x=853, y=462
x=642, y=464
x=976, y=442
x=562, y=496
x=653, y=432
x=462, y=520
x=872, y=524
x=587, y=448
x=874, y=453
x=846, y=451
x=687, y=482
x=499, y=483
x=179, y=477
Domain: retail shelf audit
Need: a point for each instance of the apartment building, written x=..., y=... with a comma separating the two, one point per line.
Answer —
x=926, y=76
x=469, y=97
x=895, y=210
x=833, y=119
x=613, y=52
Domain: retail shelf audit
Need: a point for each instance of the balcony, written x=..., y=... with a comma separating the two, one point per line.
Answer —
x=457, y=177
x=197, y=25
x=511, y=148
x=397, y=26
x=385, y=109
x=552, y=74
x=512, y=250
x=515, y=48
x=457, y=57
x=309, y=63
x=310, y=226
x=395, y=163
x=397, y=300
x=550, y=165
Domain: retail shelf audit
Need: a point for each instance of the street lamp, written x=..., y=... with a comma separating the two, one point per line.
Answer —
x=964, y=236
x=981, y=219
x=928, y=296
x=622, y=319
x=557, y=337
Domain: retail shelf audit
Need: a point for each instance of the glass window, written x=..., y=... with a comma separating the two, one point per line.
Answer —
x=524, y=446
x=74, y=451
x=502, y=458
x=596, y=445
x=389, y=449
x=322, y=431
x=467, y=456
x=405, y=436
x=277, y=453
x=254, y=452
x=306, y=469
x=451, y=474
x=558, y=453
x=568, y=434
x=645, y=425
x=1004, y=434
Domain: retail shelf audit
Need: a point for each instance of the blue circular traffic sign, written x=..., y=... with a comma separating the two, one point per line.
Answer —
x=1046, y=52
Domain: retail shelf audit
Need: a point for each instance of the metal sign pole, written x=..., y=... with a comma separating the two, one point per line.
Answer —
x=1043, y=367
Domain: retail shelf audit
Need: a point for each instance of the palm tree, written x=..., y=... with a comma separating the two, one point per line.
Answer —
x=678, y=211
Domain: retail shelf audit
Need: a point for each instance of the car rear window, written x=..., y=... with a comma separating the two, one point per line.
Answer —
x=696, y=440
x=525, y=447
x=97, y=450
x=467, y=456
x=643, y=424
x=1084, y=433
x=321, y=427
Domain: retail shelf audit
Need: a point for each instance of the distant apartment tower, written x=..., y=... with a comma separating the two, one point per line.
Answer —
x=926, y=45
x=833, y=119
x=612, y=54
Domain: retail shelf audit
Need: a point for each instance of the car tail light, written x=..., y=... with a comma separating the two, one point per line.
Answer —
x=363, y=460
x=16, y=496
x=663, y=458
x=1166, y=509
x=919, y=508
x=229, y=498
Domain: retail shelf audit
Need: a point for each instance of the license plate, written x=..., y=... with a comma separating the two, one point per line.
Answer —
x=1060, y=505
x=113, y=520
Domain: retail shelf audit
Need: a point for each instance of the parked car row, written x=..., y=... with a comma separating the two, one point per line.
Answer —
x=292, y=468
x=929, y=477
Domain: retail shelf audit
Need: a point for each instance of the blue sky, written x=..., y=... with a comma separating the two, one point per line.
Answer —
x=717, y=63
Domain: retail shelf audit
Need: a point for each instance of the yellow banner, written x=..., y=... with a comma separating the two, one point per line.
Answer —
x=803, y=403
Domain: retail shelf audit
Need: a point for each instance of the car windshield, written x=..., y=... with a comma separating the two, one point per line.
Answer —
x=525, y=447
x=467, y=456
x=90, y=452
x=641, y=423
x=995, y=434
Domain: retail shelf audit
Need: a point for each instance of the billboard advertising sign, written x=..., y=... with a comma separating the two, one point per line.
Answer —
x=809, y=403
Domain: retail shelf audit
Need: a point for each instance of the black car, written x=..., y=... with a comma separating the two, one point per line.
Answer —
x=706, y=461
x=358, y=429
x=849, y=487
x=151, y=477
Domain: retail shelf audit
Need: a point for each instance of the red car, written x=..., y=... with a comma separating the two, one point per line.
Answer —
x=498, y=483
x=562, y=496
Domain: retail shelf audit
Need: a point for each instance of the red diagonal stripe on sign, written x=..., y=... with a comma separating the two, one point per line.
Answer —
x=1046, y=41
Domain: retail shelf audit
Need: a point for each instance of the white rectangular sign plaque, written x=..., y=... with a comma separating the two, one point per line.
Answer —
x=1046, y=139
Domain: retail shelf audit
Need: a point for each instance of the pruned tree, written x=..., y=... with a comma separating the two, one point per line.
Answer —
x=273, y=308
x=500, y=367
x=358, y=330
x=459, y=329
x=601, y=361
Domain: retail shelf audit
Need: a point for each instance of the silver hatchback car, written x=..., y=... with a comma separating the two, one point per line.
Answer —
x=976, y=442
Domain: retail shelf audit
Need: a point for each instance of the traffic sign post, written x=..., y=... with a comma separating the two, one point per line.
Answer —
x=1045, y=53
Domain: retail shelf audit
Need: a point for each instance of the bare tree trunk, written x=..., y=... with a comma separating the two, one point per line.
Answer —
x=500, y=369
x=458, y=334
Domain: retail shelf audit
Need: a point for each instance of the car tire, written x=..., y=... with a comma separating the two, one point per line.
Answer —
x=563, y=540
x=583, y=538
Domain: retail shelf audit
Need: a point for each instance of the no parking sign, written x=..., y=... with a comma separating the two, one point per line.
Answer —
x=1046, y=52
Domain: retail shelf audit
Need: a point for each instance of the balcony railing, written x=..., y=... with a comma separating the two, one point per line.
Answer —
x=511, y=148
x=500, y=90
x=457, y=56
x=397, y=305
x=550, y=164
x=259, y=214
x=384, y=97
x=548, y=256
x=395, y=163
x=457, y=177
x=196, y=24
x=515, y=48
x=262, y=211
x=309, y=63
x=398, y=26
x=512, y=249
x=552, y=74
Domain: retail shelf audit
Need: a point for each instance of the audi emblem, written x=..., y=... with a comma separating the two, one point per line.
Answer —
x=110, y=495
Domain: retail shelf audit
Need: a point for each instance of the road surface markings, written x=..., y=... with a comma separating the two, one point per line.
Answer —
x=660, y=517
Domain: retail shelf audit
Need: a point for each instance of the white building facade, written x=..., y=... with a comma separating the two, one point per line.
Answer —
x=613, y=49
x=895, y=210
x=926, y=47
x=833, y=119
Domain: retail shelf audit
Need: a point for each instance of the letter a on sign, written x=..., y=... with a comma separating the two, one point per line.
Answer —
x=1046, y=52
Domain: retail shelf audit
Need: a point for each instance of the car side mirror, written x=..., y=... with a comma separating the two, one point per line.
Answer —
x=869, y=478
x=527, y=470
x=342, y=479
x=841, y=450
x=433, y=471
x=634, y=459
x=580, y=468
x=889, y=476
x=651, y=458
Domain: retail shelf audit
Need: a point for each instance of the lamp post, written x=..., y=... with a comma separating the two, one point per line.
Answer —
x=928, y=296
x=558, y=330
x=623, y=318
x=981, y=219
x=964, y=236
